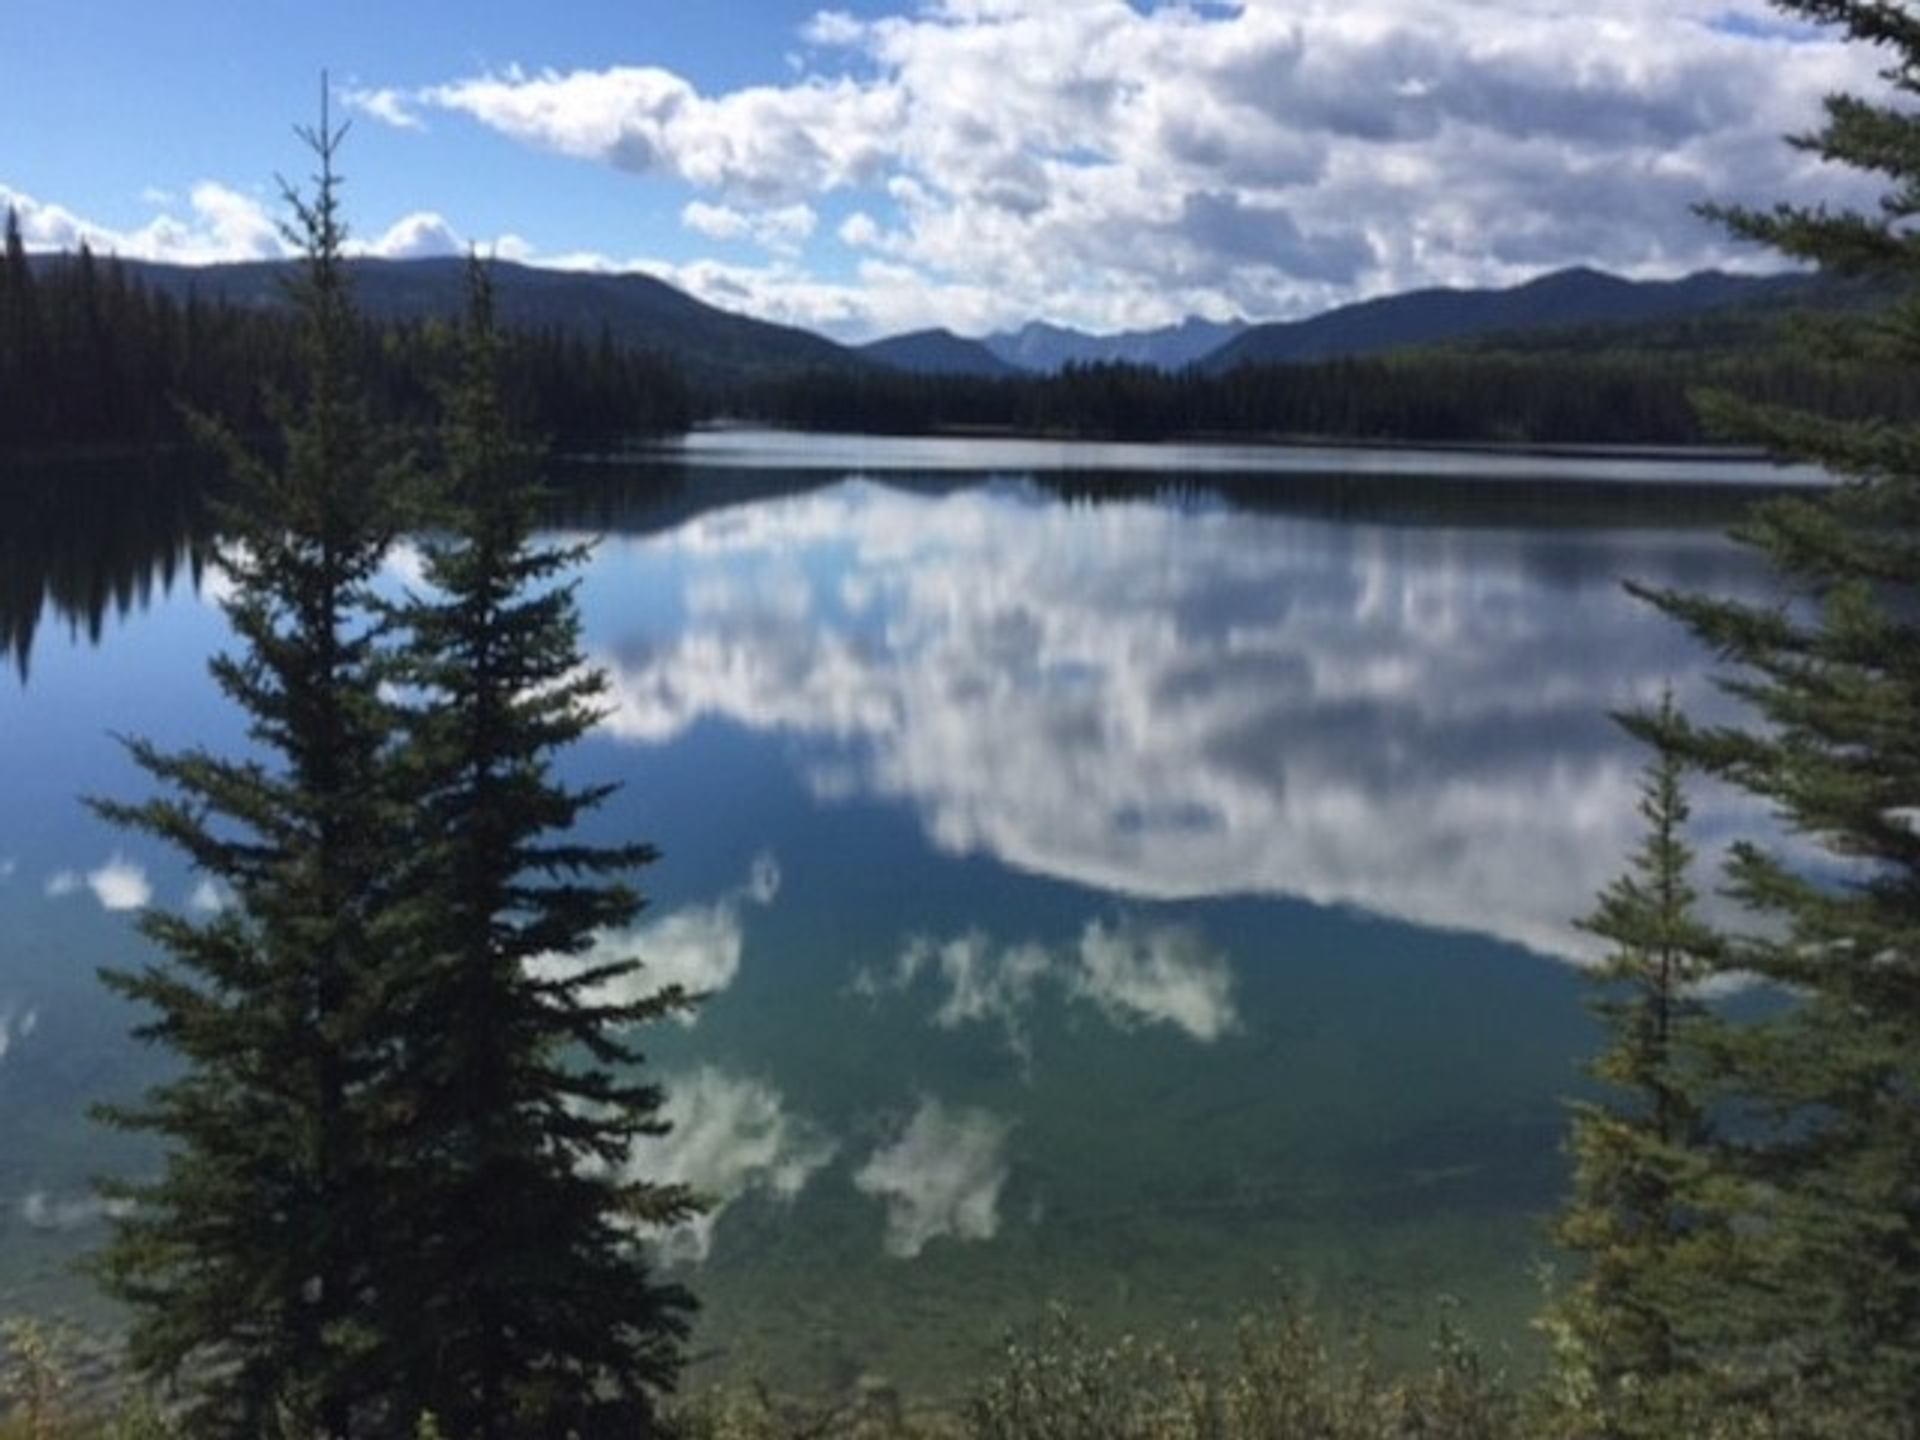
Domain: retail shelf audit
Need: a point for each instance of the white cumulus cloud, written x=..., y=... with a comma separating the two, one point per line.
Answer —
x=387, y=105
x=764, y=144
x=783, y=229
x=1110, y=164
x=218, y=224
x=418, y=236
x=237, y=224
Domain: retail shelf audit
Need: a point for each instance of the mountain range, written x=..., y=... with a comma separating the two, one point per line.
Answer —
x=1049, y=348
x=939, y=352
x=1560, y=300
x=710, y=344
x=717, y=347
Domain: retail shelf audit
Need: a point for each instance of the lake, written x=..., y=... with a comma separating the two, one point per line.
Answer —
x=1140, y=877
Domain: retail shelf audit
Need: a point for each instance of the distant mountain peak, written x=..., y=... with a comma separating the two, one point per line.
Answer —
x=937, y=351
x=1042, y=346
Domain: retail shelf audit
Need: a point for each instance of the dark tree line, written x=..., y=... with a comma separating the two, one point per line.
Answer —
x=89, y=354
x=1457, y=397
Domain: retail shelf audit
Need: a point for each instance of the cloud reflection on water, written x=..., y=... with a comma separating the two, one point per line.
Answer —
x=1164, y=976
x=15, y=1026
x=729, y=1135
x=942, y=1176
x=1133, y=973
x=983, y=984
x=1168, y=701
x=696, y=947
x=118, y=884
x=40, y=1210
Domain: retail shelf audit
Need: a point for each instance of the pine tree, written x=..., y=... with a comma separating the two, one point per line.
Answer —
x=1641, y=1216
x=22, y=357
x=246, y=1264
x=1827, y=1314
x=13, y=269
x=516, y=1265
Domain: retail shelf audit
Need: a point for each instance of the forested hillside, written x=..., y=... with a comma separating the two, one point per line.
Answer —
x=1562, y=392
x=1572, y=297
x=90, y=353
x=632, y=310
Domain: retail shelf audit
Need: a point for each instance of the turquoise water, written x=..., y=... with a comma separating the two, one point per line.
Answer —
x=1144, y=889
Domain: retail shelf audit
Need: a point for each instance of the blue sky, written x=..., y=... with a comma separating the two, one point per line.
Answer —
x=890, y=163
x=127, y=99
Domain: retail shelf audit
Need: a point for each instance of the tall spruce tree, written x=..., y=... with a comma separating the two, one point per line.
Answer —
x=21, y=338
x=1824, y=1319
x=1640, y=1217
x=246, y=1263
x=515, y=1265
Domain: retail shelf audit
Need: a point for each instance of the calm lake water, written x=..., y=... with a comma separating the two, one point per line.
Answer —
x=1135, y=877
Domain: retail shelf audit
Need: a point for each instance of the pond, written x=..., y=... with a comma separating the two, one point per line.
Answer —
x=1140, y=878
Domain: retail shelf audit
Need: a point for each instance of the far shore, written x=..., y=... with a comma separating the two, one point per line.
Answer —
x=640, y=447
x=1275, y=440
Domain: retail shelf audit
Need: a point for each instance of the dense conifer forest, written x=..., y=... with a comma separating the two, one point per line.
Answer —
x=89, y=355
x=1570, y=390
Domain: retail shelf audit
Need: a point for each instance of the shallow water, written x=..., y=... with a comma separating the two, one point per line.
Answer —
x=1150, y=890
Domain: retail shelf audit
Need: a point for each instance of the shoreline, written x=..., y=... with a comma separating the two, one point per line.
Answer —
x=1265, y=440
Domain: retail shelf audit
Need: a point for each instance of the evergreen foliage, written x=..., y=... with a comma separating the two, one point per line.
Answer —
x=397, y=1180
x=90, y=354
x=1821, y=1173
x=247, y=1266
x=516, y=1288
x=1523, y=393
x=1628, y=1333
